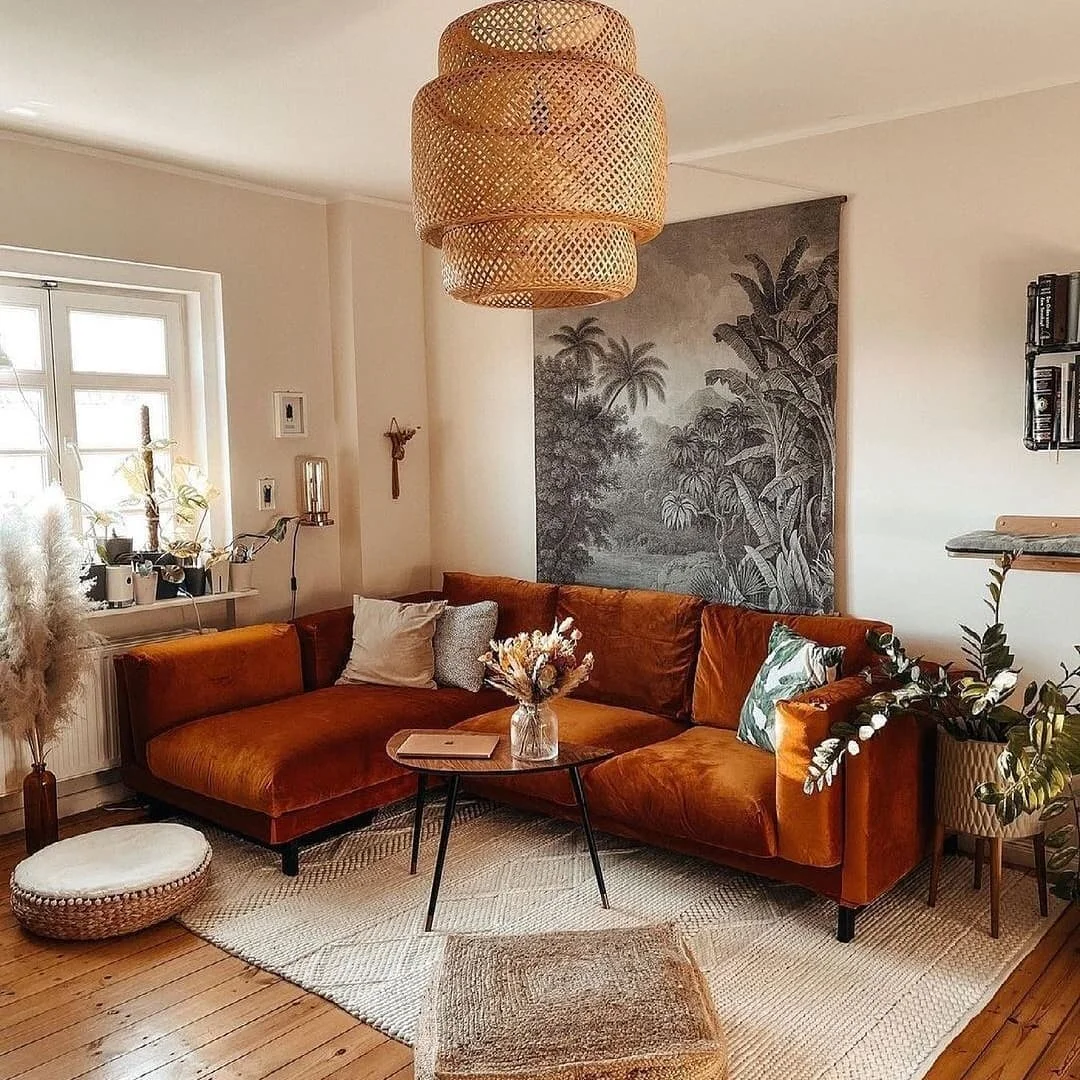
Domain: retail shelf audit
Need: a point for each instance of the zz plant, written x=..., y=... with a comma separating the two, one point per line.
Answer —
x=1041, y=738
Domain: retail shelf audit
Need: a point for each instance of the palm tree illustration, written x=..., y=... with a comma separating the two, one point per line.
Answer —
x=581, y=345
x=634, y=371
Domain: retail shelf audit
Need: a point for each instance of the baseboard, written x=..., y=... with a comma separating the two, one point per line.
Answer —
x=74, y=796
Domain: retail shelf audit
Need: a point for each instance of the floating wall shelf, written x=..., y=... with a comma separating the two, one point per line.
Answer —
x=1039, y=543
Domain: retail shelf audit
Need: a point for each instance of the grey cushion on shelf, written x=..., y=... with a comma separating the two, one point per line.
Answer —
x=794, y=665
x=462, y=634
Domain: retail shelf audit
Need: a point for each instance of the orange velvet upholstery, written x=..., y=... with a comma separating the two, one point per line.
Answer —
x=888, y=808
x=735, y=642
x=523, y=605
x=703, y=786
x=172, y=682
x=644, y=643
x=220, y=725
x=811, y=826
x=286, y=755
x=325, y=642
x=585, y=723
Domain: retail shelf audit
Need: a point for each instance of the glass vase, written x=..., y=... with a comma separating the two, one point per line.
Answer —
x=534, y=733
x=39, y=809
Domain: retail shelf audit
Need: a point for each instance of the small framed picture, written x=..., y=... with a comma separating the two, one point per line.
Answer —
x=290, y=414
x=267, y=493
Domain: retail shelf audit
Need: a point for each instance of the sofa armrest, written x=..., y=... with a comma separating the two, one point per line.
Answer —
x=810, y=828
x=169, y=683
x=888, y=807
x=877, y=818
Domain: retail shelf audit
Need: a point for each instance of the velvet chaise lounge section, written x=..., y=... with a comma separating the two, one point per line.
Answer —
x=247, y=729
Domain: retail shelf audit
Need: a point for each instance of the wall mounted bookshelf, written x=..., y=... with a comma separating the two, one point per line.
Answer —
x=1052, y=386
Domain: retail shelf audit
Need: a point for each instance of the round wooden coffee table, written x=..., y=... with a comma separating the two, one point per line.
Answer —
x=571, y=758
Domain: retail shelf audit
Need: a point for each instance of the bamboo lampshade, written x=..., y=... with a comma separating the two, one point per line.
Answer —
x=539, y=155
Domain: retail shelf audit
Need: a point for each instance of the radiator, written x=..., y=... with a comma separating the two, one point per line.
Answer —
x=92, y=743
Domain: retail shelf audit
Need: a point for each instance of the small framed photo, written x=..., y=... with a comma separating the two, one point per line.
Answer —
x=290, y=414
x=267, y=493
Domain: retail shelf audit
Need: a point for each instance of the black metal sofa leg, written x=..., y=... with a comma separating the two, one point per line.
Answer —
x=290, y=858
x=845, y=923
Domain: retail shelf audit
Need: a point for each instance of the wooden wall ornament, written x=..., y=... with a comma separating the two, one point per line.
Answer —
x=398, y=437
x=539, y=155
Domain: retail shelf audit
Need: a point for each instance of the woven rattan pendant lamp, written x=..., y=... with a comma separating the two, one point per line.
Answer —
x=539, y=155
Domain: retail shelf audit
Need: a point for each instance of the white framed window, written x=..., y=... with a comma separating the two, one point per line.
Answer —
x=82, y=362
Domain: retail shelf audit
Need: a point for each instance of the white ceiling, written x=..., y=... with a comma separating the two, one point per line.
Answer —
x=314, y=95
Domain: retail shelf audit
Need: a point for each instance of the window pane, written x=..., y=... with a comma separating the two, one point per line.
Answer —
x=110, y=419
x=20, y=420
x=118, y=344
x=20, y=336
x=22, y=476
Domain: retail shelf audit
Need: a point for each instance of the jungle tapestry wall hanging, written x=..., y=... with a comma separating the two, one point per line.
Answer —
x=686, y=436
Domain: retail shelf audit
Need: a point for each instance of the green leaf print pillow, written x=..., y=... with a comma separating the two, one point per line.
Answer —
x=793, y=666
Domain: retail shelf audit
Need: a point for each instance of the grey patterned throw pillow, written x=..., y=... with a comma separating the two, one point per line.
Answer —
x=794, y=665
x=462, y=634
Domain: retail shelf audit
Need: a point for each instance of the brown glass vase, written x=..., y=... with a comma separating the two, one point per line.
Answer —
x=39, y=809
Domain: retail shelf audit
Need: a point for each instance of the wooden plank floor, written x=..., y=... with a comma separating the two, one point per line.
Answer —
x=166, y=1004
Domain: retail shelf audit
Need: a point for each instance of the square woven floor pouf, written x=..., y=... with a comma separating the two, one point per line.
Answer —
x=618, y=1004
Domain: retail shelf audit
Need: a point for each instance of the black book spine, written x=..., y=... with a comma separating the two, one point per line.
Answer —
x=1060, y=309
x=1075, y=367
x=1047, y=390
x=1045, y=309
x=1032, y=313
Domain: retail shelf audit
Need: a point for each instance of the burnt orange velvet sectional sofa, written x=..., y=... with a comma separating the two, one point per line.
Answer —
x=247, y=729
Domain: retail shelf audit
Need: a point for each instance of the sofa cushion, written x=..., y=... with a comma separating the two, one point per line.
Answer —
x=585, y=723
x=735, y=642
x=462, y=636
x=305, y=749
x=523, y=605
x=392, y=643
x=175, y=681
x=793, y=666
x=644, y=643
x=704, y=786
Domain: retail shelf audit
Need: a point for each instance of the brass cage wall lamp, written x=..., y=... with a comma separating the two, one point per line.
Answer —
x=398, y=437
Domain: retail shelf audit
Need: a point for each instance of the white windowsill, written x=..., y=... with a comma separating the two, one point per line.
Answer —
x=180, y=601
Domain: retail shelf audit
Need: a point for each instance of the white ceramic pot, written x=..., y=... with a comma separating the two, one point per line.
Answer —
x=219, y=577
x=146, y=587
x=119, y=589
x=961, y=768
x=241, y=575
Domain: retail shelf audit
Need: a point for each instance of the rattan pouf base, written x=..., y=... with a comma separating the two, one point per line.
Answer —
x=45, y=894
x=601, y=1004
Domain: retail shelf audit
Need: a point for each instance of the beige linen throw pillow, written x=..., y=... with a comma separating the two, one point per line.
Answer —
x=392, y=643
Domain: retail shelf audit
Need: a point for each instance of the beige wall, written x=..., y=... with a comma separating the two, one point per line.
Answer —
x=379, y=373
x=949, y=216
x=271, y=253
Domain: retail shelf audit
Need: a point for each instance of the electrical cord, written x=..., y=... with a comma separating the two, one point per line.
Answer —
x=292, y=572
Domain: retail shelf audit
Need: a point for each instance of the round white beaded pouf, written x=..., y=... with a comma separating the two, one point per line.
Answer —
x=110, y=882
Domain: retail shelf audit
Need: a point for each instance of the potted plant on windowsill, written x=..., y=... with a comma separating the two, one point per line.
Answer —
x=43, y=639
x=244, y=548
x=97, y=526
x=1002, y=771
x=182, y=496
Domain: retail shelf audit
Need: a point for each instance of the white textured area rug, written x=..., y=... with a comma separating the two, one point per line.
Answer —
x=794, y=1002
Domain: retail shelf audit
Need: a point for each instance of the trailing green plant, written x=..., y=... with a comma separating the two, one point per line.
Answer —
x=1041, y=751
